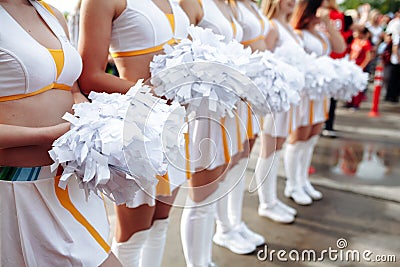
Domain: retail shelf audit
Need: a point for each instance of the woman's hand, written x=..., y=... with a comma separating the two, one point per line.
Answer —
x=323, y=15
x=12, y=136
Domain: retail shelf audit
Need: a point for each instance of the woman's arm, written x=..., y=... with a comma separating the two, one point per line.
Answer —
x=193, y=10
x=272, y=38
x=12, y=136
x=366, y=60
x=335, y=37
x=77, y=94
x=95, y=33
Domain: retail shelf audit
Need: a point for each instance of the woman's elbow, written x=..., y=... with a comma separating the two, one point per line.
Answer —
x=87, y=82
x=339, y=47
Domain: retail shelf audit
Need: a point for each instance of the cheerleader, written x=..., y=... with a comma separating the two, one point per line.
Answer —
x=306, y=19
x=198, y=221
x=41, y=224
x=276, y=126
x=229, y=208
x=133, y=32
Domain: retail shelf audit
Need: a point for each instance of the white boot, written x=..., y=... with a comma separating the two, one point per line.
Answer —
x=249, y=235
x=294, y=187
x=287, y=208
x=266, y=174
x=308, y=153
x=197, y=228
x=129, y=252
x=153, y=250
x=226, y=235
x=235, y=205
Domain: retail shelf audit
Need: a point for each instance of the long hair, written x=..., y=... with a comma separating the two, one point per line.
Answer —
x=304, y=12
x=270, y=7
x=233, y=6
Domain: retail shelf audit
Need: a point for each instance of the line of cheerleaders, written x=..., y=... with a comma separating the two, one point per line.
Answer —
x=219, y=130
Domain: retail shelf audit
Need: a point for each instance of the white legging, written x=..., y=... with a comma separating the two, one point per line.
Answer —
x=197, y=228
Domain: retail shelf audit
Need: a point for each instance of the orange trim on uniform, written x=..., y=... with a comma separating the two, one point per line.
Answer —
x=239, y=139
x=163, y=186
x=326, y=108
x=58, y=57
x=65, y=201
x=187, y=152
x=311, y=112
x=248, y=42
x=225, y=142
x=171, y=20
x=57, y=86
x=290, y=120
x=261, y=123
x=249, y=123
x=47, y=6
x=143, y=51
x=234, y=29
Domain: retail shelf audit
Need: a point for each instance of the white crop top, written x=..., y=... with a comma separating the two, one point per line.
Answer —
x=313, y=44
x=215, y=20
x=286, y=37
x=28, y=68
x=254, y=27
x=144, y=28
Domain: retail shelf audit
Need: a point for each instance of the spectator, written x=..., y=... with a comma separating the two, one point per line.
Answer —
x=360, y=53
x=374, y=27
x=393, y=86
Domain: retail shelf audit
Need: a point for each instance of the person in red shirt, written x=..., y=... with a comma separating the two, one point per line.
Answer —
x=338, y=19
x=360, y=53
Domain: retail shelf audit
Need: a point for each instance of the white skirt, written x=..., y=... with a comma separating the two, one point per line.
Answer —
x=44, y=225
x=312, y=111
x=180, y=169
x=280, y=124
x=251, y=122
x=210, y=138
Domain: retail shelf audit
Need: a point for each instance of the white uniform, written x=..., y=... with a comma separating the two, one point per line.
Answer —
x=254, y=29
x=283, y=123
x=311, y=112
x=143, y=28
x=42, y=224
x=219, y=138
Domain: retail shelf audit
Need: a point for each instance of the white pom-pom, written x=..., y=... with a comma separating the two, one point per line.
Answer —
x=232, y=73
x=115, y=142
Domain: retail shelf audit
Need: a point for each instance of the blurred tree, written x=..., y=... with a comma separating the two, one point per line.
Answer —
x=384, y=6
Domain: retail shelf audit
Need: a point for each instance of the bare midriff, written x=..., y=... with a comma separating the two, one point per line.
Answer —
x=42, y=110
x=134, y=68
x=259, y=45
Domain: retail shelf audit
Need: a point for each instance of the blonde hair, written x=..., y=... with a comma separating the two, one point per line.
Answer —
x=270, y=7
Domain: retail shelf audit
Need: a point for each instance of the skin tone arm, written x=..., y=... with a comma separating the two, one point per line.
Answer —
x=94, y=44
x=272, y=38
x=366, y=60
x=29, y=136
x=336, y=39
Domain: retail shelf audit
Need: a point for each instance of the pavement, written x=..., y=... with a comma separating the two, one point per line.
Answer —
x=359, y=175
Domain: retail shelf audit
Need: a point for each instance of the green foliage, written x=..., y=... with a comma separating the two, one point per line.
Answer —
x=384, y=6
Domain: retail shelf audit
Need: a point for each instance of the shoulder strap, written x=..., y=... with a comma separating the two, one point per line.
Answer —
x=200, y=3
x=273, y=24
x=47, y=6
